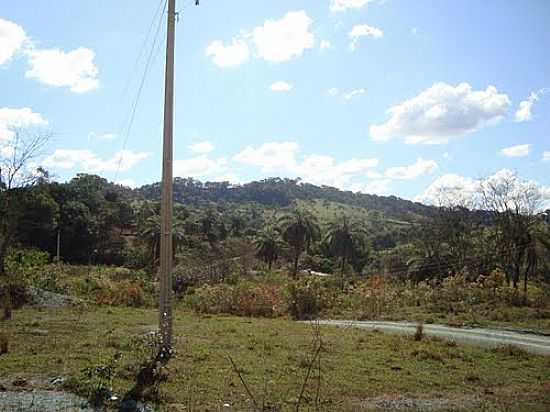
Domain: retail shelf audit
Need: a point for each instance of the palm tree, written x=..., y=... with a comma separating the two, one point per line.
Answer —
x=151, y=232
x=268, y=246
x=208, y=225
x=299, y=229
x=345, y=241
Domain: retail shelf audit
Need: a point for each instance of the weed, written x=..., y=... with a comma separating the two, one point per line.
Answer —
x=419, y=332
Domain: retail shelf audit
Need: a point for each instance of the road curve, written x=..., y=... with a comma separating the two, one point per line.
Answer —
x=529, y=342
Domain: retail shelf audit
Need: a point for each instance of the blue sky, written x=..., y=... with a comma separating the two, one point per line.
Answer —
x=390, y=97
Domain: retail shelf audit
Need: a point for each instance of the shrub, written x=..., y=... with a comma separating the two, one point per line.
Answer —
x=25, y=259
x=306, y=298
x=243, y=299
x=125, y=293
x=371, y=300
x=419, y=332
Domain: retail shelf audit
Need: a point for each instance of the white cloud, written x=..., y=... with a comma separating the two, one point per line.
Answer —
x=325, y=44
x=363, y=30
x=200, y=166
x=75, y=69
x=102, y=136
x=523, y=114
x=227, y=177
x=202, y=147
x=521, y=150
x=343, y=5
x=377, y=187
x=270, y=157
x=282, y=158
x=12, y=119
x=281, y=86
x=232, y=55
x=354, y=93
x=281, y=40
x=452, y=189
x=442, y=112
x=89, y=162
x=333, y=91
x=12, y=37
x=275, y=41
x=419, y=168
x=546, y=156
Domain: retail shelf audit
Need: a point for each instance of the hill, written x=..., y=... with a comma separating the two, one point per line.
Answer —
x=277, y=192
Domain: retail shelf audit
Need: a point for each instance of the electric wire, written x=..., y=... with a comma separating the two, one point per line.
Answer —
x=135, y=104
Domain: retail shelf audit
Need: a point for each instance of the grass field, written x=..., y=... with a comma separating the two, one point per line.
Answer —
x=273, y=357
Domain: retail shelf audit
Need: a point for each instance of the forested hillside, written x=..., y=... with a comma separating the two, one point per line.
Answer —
x=283, y=192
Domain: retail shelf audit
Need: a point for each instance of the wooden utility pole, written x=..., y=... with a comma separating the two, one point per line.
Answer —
x=165, y=320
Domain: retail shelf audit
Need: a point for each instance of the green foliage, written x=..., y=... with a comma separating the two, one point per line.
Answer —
x=307, y=297
x=23, y=259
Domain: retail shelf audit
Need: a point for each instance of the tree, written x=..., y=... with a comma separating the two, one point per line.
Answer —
x=17, y=156
x=268, y=246
x=299, y=229
x=513, y=204
x=345, y=241
x=150, y=232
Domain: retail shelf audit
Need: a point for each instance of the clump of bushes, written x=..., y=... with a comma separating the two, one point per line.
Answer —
x=123, y=293
x=242, y=299
x=308, y=297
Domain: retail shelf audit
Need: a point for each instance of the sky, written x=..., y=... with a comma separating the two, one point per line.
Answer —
x=380, y=96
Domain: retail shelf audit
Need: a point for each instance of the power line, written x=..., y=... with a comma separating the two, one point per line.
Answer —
x=140, y=89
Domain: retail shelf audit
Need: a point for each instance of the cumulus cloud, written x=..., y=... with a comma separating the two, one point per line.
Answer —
x=202, y=147
x=12, y=37
x=325, y=44
x=270, y=157
x=354, y=93
x=54, y=67
x=521, y=150
x=377, y=187
x=102, y=136
x=281, y=40
x=281, y=86
x=441, y=112
x=89, y=162
x=275, y=41
x=13, y=119
x=363, y=30
x=524, y=112
x=546, y=156
x=200, y=166
x=419, y=168
x=343, y=5
x=452, y=189
x=283, y=158
x=231, y=55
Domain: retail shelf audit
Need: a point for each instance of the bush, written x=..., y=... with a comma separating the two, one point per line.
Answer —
x=243, y=299
x=25, y=259
x=124, y=293
x=306, y=298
